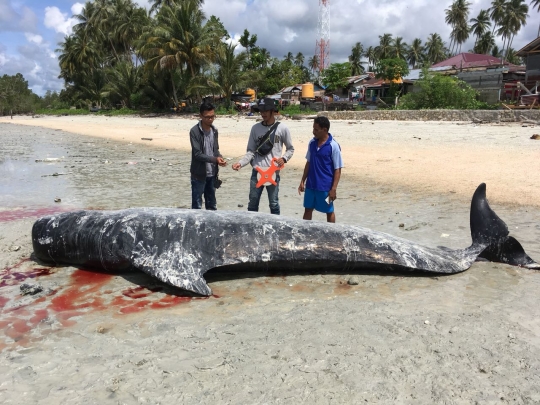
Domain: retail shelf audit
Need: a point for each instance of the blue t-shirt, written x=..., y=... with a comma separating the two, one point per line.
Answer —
x=323, y=162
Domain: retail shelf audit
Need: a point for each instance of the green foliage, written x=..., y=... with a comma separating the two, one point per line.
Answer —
x=335, y=76
x=391, y=69
x=15, y=96
x=439, y=91
x=297, y=109
x=278, y=75
x=61, y=111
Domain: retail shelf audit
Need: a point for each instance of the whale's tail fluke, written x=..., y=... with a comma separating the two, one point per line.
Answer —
x=489, y=230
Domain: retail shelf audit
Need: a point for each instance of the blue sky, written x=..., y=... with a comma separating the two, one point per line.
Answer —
x=31, y=29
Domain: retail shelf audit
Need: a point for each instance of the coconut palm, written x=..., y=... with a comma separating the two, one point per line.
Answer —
x=179, y=40
x=355, y=59
x=384, y=49
x=371, y=55
x=299, y=59
x=485, y=43
x=399, y=48
x=230, y=76
x=156, y=4
x=457, y=16
x=496, y=13
x=514, y=18
x=415, y=52
x=480, y=25
x=313, y=63
x=289, y=57
x=123, y=80
x=435, y=49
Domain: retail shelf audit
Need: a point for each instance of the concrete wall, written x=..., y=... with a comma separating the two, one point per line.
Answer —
x=436, y=115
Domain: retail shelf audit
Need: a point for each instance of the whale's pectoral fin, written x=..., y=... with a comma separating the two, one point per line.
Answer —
x=169, y=266
x=508, y=250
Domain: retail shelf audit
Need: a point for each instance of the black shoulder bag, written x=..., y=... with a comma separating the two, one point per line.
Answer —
x=266, y=143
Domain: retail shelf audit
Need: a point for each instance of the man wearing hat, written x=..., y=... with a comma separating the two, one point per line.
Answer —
x=266, y=142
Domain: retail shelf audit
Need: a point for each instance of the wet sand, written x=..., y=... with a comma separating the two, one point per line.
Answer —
x=271, y=338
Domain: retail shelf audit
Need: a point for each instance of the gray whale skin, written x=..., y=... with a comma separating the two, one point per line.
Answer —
x=178, y=246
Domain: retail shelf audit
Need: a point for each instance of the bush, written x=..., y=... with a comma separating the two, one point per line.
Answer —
x=443, y=92
x=296, y=109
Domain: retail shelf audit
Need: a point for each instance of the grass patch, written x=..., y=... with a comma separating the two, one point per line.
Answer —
x=297, y=109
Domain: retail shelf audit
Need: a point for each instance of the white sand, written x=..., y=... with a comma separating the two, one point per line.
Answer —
x=473, y=337
x=425, y=157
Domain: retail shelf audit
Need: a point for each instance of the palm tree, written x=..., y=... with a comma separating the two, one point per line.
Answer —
x=415, y=52
x=156, y=4
x=384, y=49
x=399, y=48
x=299, y=59
x=123, y=80
x=371, y=55
x=179, y=41
x=496, y=13
x=457, y=16
x=355, y=59
x=230, y=76
x=313, y=63
x=514, y=18
x=485, y=43
x=480, y=25
x=435, y=49
x=289, y=57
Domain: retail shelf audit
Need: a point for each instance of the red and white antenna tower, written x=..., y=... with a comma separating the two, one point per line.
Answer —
x=322, y=48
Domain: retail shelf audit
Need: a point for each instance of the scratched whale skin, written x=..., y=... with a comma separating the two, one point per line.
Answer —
x=178, y=246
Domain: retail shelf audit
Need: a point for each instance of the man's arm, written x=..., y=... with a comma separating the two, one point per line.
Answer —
x=287, y=141
x=302, y=186
x=333, y=191
x=250, y=152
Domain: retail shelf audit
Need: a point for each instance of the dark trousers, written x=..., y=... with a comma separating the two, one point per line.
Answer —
x=206, y=188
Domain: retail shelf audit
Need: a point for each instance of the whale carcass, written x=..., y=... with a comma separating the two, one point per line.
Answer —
x=178, y=246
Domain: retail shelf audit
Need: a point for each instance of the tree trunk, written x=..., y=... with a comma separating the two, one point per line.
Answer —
x=174, y=91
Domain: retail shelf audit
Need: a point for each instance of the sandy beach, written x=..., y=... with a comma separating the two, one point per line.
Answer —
x=327, y=337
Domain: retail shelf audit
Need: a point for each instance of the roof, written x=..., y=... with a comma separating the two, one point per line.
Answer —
x=469, y=60
x=533, y=46
x=298, y=87
x=359, y=78
x=414, y=74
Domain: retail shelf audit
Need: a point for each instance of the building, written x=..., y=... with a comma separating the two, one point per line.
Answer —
x=492, y=78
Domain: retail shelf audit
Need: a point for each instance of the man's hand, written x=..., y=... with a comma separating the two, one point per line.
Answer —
x=236, y=166
x=280, y=162
x=332, y=194
x=222, y=162
x=301, y=188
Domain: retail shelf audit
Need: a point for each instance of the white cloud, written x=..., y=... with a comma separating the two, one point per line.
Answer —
x=289, y=35
x=3, y=59
x=77, y=8
x=58, y=21
x=36, y=39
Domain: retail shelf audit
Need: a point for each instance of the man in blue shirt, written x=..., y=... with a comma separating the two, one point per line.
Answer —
x=322, y=171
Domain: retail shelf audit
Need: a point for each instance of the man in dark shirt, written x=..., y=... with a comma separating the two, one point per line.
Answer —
x=205, y=159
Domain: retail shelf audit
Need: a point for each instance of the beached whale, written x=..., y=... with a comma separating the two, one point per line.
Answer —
x=178, y=246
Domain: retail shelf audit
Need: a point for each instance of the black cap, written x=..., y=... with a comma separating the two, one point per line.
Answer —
x=265, y=104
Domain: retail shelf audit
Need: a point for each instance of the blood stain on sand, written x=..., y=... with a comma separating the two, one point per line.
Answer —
x=10, y=277
x=86, y=293
x=18, y=214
